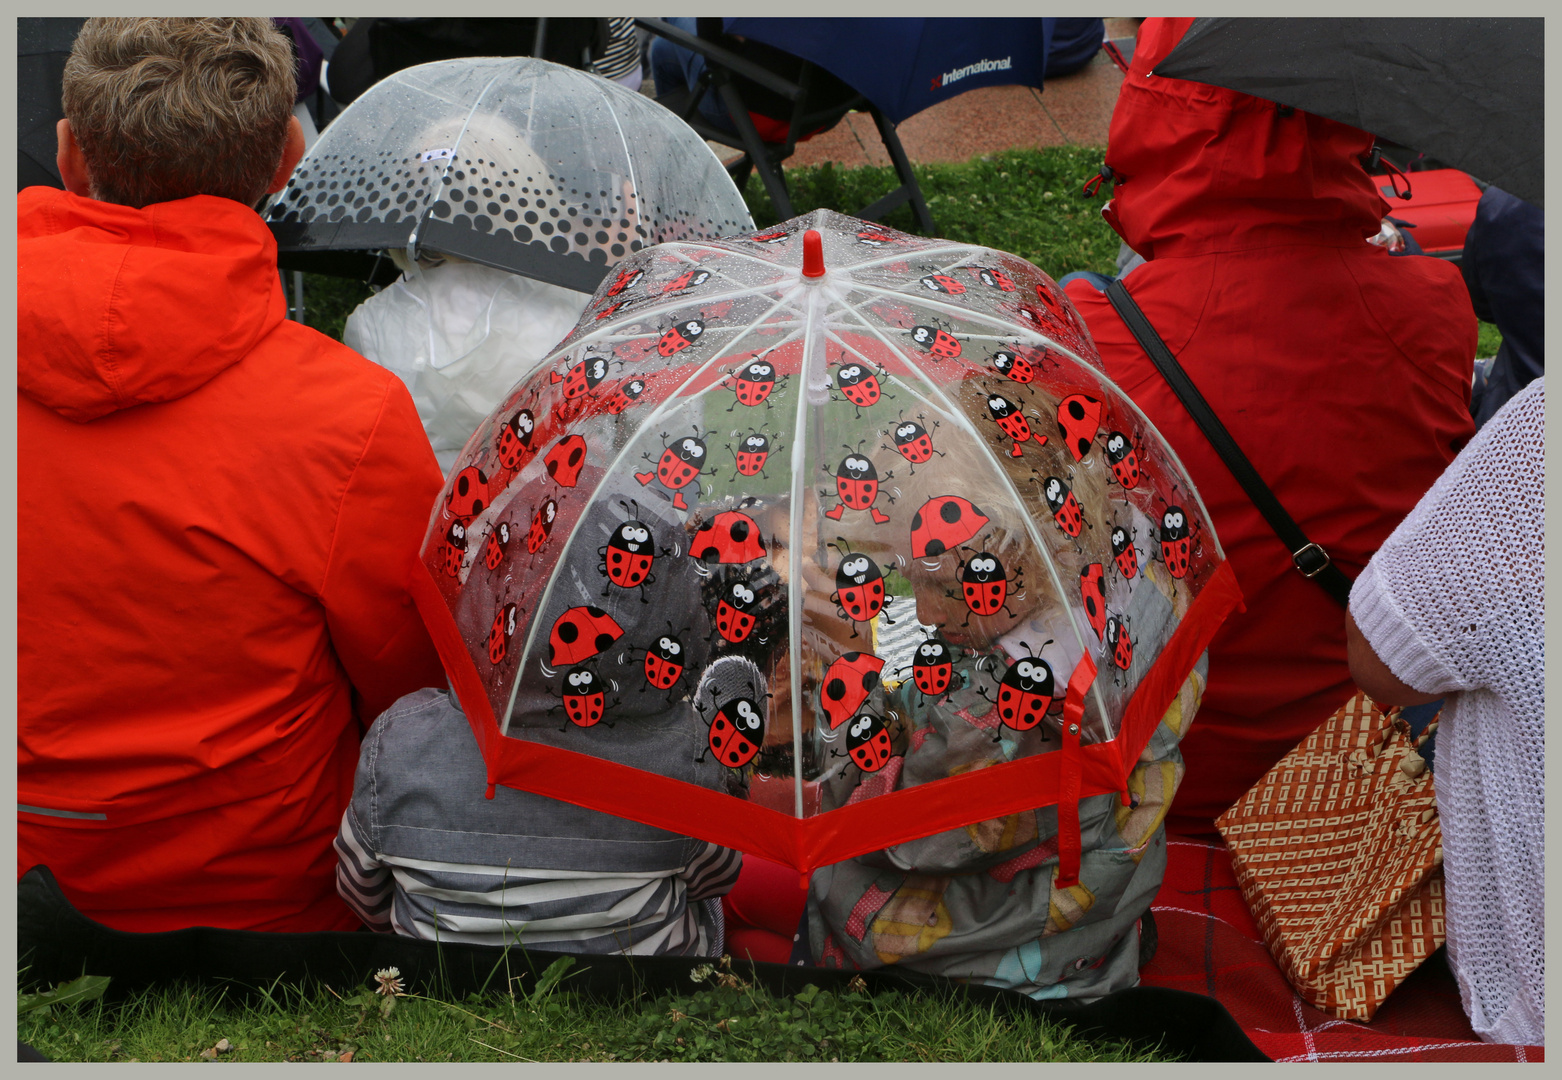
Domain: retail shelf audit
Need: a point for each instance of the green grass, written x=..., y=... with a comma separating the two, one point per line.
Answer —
x=708, y=1023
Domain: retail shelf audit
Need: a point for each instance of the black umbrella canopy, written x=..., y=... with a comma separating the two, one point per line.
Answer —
x=1465, y=91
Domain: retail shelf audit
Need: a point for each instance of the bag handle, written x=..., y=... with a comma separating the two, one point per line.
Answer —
x=1310, y=560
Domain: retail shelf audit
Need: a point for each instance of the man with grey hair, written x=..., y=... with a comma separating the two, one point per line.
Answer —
x=218, y=508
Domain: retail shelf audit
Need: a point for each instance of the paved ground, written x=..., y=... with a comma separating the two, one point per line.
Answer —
x=1073, y=109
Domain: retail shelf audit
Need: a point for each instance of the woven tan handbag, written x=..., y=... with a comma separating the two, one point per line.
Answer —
x=1339, y=855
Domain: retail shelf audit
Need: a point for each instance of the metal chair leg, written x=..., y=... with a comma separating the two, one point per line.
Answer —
x=897, y=154
x=769, y=171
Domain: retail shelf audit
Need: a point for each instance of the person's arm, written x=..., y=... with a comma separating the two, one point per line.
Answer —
x=1373, y=676
x=361, y=879
x=375, y=628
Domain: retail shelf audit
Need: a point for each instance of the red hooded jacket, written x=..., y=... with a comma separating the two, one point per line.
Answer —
x=1342, y=372
x=217, y=512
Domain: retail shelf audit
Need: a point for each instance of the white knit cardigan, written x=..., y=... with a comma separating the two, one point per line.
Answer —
x=1454, y=603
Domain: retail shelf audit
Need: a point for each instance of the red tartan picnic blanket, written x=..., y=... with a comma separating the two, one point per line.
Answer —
x=1209, y=944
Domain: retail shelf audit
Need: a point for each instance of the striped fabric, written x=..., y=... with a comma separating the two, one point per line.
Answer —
x=645, y=913
x=623, y=50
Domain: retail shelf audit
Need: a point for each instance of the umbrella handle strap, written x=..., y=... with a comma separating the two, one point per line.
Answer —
x=1069, y=779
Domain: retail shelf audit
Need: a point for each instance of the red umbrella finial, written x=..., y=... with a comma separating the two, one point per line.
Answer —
x=813, y=254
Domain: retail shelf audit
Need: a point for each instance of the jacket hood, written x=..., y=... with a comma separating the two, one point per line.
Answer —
x=118, y=307
x=1200, y=168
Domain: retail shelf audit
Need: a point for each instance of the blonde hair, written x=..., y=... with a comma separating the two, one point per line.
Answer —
x=165, y=109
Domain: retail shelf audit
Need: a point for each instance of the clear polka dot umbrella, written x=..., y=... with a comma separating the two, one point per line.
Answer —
x=818, y=539
x=512, y=162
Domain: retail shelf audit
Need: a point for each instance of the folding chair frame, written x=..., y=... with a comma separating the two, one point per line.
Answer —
x=722, y=66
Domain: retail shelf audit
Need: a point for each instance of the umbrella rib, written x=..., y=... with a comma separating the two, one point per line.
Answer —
x=412, y=240
x=902, y=256
x=964, y=421
x=612, y=466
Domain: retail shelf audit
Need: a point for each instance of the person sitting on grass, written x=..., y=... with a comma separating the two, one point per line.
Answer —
x=423, y=853
x=1453, y=604
x=217, y=507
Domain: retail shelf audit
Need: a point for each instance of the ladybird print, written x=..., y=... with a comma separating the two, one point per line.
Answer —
x=753, y=383
x=452, y=549
x=1079, y=418
x=1122, y=455
x=1092, y=588
x=679, y=337
x=628, y=557
x=1010, y=363
x=515, y=438
x=1176, y=545
x=985, y=585
x=1011, y=421
x=583, y=699
x=751, y=455
x=1025, y=695
x=1064, y=506
x=859, y=589
x=940, y=344
x=500, y=633
x=875, y=237
x=1120, y=643
x=678, y=467
x=541, y=526
x=664, y=662
x=932, y=666
x=691, y=278
x=626, y=279
x=943, y=283
x=565, y=460
x=730, y=537
x=859, y=384
x=1124, y=554
x=994, y=278
x=498, y=540
x=847, y=683
x=942, y=524
x=868, y=742
x=625, y=394
x=581, y=633
x=857, y=485
x=734, y=620
x=736, y=733
x=914, y=443
x=468, y=494
x=585, y=375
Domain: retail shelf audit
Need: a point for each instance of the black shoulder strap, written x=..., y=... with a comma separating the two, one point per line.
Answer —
x=1309, y=559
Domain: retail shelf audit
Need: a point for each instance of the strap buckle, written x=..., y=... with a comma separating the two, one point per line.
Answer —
x=1311, y=560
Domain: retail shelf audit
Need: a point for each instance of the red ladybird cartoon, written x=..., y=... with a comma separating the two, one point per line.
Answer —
x=629, y=554
x=932, y=666
x=868, y=742
x=943, y=283
x=1010, y=363
x=452, y=549
x=586, y=374
x=500, y=633
x=626, y=279
x=847, y=683
x=914, y=442
x=515, y=438
x=625, y=394
x=609, y=311
x=753, y=382
x=680, y=336
x=1025, y=694
x=737, y=731
x=1120, y=643
x=1013, y=423
x=942, y=524
x=857, y=484
x=665, y=661
x=498, y=540
x=566, y=459
x=1064, y=506
x=775, y=236
x=985, y=585
x=730, y=537
x=1092, y=589
x=1176, y=544
x=752, y=454
x=468, y=494
x=1123, y=456
x=859, y=384
x=581, y=633
x=995, y=278
x=541, y=527
x=691, y=278
x=859, y=589
x=1056, y=310
x=1079, y=418
x=584, y=698
x=940, y=344
x=678, y=466
x=1124, y=553
x=734, y=620
x=874, y=237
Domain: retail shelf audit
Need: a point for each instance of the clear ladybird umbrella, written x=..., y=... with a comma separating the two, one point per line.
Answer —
x=512, y=162
x=855, y=519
